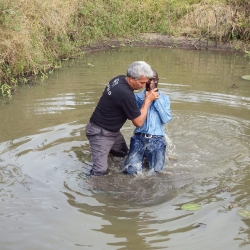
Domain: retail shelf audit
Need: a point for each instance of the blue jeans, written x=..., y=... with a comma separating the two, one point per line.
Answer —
x=153, y=149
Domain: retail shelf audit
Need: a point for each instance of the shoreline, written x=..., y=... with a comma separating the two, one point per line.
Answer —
x=164, y=41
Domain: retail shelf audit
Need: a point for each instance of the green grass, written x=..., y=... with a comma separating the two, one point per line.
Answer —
x=35, y=36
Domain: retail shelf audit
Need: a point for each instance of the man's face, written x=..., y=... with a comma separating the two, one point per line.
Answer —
x=138, y=83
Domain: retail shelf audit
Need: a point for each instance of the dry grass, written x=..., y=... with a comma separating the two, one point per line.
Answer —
x=215, y=20
x=35, y=35
x=205, y=19
x=29, y=37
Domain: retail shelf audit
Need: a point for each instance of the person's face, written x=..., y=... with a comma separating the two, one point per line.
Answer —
x=138, y=83
x=154, y=82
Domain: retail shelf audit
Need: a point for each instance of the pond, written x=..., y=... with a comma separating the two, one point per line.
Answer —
x=46, y=200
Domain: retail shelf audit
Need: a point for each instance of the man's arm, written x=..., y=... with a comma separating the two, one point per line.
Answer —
x=150, y=96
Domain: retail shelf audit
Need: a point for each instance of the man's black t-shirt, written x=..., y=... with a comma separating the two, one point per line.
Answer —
x=116, y=105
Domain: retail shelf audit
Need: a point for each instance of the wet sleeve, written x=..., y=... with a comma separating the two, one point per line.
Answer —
x=139, y=99
x=162, y=106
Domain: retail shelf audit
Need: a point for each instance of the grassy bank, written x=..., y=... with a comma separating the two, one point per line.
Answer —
x=37, y=35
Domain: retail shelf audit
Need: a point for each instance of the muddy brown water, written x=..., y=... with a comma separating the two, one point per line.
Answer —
x=46, y=202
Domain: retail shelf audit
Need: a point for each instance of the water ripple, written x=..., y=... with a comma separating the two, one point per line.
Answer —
x=210, y=97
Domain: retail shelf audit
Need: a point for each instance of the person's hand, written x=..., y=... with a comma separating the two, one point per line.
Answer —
x=152, y=95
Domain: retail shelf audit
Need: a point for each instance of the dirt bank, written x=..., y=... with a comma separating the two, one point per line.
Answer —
x=157, y=40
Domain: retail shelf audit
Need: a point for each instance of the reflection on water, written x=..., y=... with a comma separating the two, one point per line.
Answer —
x=46, y=200
x=227, y=100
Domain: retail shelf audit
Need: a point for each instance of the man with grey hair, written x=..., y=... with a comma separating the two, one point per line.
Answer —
x=116, y=105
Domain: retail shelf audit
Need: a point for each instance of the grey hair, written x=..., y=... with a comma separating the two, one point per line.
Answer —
x=138, y=69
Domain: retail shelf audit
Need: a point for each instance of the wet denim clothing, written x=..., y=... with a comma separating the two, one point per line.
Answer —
x=153, y=149
x=158, y=114
x=148, y=140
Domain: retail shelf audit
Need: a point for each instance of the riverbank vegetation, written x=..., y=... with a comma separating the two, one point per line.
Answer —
x=37, y=35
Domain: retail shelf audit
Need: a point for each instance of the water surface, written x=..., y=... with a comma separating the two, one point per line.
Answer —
x=47, y=202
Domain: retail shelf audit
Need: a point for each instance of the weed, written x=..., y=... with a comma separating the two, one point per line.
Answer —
x=36, y=36
x=6, y=90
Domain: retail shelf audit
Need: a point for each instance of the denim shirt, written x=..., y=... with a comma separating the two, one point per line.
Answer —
x=158, y=114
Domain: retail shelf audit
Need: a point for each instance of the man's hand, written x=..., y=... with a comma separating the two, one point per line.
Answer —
x=152, y=95
x=149, y=97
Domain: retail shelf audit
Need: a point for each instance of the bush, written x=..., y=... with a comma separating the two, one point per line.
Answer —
x=35, y=35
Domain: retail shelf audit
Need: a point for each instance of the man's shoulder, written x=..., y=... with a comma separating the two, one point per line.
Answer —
x=117, y=80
